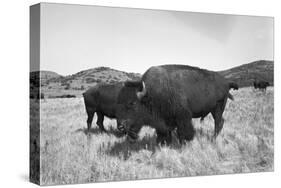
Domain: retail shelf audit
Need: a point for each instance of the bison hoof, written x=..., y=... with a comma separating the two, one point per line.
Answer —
x=164, y=144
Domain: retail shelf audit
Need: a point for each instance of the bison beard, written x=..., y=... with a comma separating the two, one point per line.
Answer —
x=168, y=97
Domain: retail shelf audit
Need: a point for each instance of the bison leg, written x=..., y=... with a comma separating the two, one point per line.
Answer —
x=185, y=131
x=100, y=121
x=90, y=114
x=163, y=138
x=217, y=115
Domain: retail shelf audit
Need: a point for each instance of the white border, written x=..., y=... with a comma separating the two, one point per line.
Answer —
x=14, y=59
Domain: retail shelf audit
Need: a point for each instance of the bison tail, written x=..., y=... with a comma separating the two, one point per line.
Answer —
x=230, y=96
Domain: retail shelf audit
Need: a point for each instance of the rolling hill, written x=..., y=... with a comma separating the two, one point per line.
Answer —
x=90, y=77
x=246, y=74
x=47, y=75
x=55, y=85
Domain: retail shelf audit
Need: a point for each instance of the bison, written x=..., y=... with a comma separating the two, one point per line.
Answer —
x=262, y=85
x=167, y=97
x=233, y=85
x=101, y=99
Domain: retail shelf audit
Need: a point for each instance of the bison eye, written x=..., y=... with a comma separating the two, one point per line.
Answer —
x=131, y=104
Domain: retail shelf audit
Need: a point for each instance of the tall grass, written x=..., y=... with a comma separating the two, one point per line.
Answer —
x=68, y=155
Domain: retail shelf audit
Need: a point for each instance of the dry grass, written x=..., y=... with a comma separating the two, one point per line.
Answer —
x=69, y=156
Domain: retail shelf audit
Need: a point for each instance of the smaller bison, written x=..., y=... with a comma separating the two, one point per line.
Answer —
x=261, y=85
x=233, y=85
x=101, y=99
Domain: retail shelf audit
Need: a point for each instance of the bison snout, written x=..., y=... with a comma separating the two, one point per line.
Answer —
x=121, y=126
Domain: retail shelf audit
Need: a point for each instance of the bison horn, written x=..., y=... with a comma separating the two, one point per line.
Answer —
x=141, y=94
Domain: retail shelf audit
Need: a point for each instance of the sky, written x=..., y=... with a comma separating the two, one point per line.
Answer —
x=76, y=37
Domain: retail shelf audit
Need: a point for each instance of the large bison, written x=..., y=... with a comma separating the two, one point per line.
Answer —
x=101, y=99
x=168, y=97
x=262, y=85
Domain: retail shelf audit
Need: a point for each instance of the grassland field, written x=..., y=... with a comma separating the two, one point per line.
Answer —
x=68, y=155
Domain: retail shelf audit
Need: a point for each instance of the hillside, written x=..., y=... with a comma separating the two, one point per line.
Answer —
x=47, y=75
x=87, y=78
x=44, y=76
x=245, y=75
x=54, y=84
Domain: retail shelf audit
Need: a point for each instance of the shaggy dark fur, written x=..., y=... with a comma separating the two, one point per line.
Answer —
x=262, y=85
x=175, y=95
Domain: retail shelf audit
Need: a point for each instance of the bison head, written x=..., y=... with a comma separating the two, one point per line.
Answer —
x=267, y=84
x=131, y=112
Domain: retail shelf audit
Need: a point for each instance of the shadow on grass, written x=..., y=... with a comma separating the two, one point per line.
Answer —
x=96, y=130
x=124, y=149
